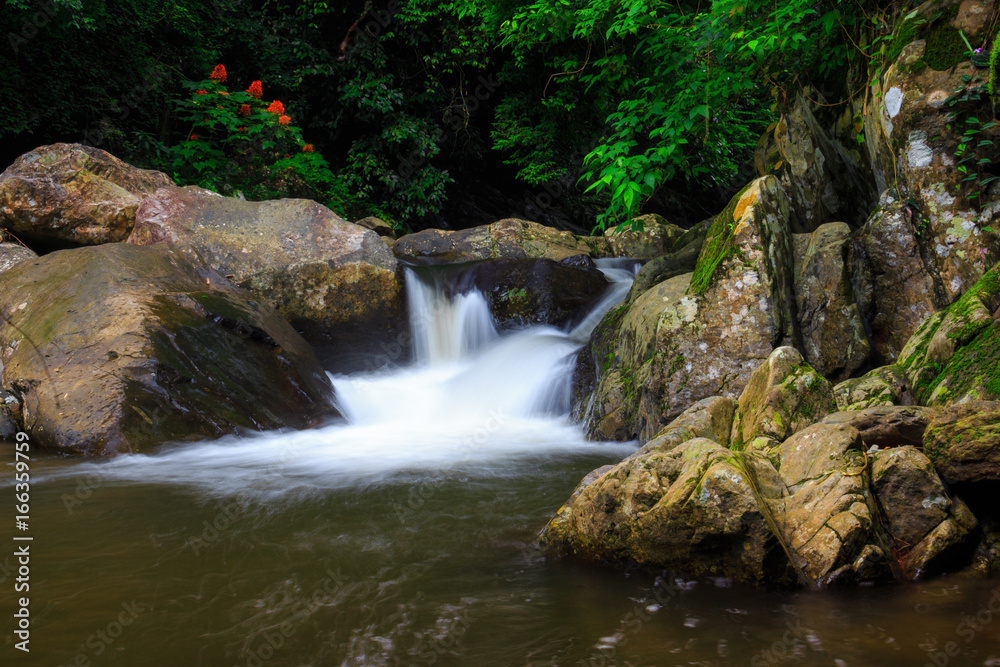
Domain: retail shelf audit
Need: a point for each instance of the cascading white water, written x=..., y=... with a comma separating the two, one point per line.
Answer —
x=474, y=402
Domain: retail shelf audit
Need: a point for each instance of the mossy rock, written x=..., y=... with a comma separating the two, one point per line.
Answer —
x=120, y=348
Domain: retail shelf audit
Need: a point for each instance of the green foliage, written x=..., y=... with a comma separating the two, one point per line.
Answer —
x=683, y=82
x=975, y=152
x=237, y=144
x=994, y=65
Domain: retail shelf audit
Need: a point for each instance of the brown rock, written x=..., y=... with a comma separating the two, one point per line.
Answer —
x=887, y=426
x=73, y=193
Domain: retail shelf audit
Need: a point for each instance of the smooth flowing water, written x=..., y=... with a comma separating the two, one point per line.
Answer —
x=404, y=534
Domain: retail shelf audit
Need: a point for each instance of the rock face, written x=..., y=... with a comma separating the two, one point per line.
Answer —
x=680, y=260
x=327, y=276
x=73, y=194
x=120, y=348
x=833, y=334
x=882, y=386
x=914, y=142
x=824, y=181
x=509, y=239
x=887, y=426
x=656, y=238
x=699, y=335
x=535, y=291
x=898, y=287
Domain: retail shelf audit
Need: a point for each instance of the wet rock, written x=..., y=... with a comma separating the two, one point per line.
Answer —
x=663, y=268
x=882, y=386
x=963, y=441
x=534, y=291
x=509, y=238
x=120, y=348
x=783, y=396
x=10, y=412
x=710, y=418
x=656, y=238
x=833, y=334
x=700, y=335
x=75, y=194
x=690, y=510
x=330, y=278
x=898, y=288
x=887, y=426
x=12, y=254
x=954, y=355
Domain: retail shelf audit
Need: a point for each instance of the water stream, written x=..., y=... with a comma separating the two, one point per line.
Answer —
x=404, y=534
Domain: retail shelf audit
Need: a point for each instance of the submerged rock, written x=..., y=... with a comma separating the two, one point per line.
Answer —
x=509, y=238
x=330, y=278
x=75, y=194
x=120, y=348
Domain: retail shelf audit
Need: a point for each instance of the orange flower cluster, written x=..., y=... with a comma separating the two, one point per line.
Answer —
x=284, y=120
x=201, y=92
x=194, y=137
x=244, y=109
x=255, y=90
x=308, y=148
x=276, y=107
x=219, y=73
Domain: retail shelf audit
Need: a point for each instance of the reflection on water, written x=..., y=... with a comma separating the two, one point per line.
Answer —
x=435, y=569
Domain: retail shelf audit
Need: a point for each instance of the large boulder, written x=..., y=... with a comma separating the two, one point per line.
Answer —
x=710, y=418
x=834, y=340
x=679, y=260
x=119, y=348
x=535, y=291
x=885, y=385
x=701, y=334
x=954, y=355
x=783, y=396
x=328, y=277
x=930, y=532
x=73, y=194
x=898, y=285
x=826, y=521
x=509, y=238
x=690, y=510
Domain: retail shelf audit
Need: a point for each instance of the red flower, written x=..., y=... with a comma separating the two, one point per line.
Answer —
x=219, y=73
x=308, y=148
x=225, y=93
x=201, y=92
x=287, y=156
x=284, y=120
x=244, y=109
x=194, y=137
x=276, y=107
x=241, y=129
x=255, y=90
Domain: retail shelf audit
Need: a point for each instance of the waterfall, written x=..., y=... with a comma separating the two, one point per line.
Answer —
x=474, y=402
